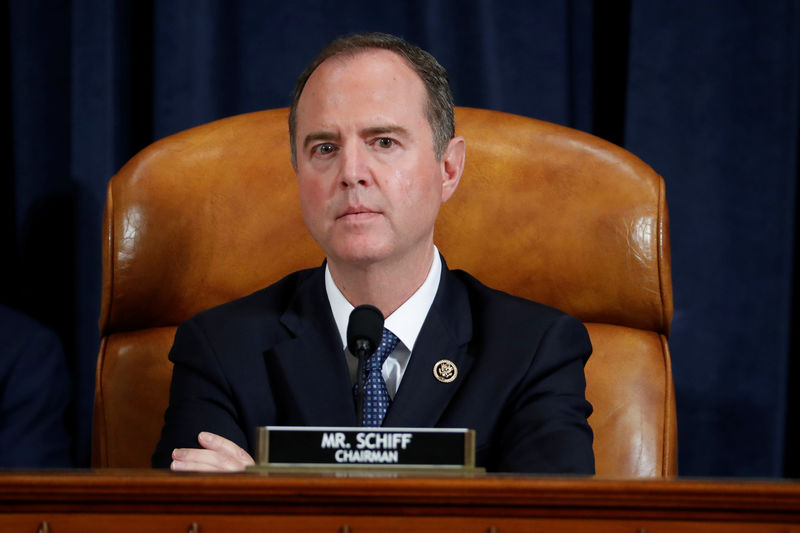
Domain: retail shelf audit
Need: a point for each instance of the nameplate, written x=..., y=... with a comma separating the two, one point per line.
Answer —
x=336, y=447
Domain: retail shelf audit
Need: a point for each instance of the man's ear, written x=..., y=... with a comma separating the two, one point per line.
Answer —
x=452, y=166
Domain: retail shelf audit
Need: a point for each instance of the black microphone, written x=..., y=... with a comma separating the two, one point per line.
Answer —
x=364, y=332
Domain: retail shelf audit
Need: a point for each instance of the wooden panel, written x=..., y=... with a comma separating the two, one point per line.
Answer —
x=205, y=523
x=162, y=501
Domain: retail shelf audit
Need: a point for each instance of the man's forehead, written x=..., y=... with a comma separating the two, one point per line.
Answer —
x=363, y=64
x=377, y=84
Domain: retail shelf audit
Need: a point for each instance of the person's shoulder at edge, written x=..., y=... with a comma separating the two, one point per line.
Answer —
x=36, y=392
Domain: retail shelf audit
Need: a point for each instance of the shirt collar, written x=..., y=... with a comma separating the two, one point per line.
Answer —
x=406, y=322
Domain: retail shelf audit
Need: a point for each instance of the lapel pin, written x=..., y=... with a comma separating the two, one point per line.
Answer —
x=445, y=371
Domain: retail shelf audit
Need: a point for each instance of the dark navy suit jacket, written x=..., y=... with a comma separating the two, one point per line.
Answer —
x=34, y=395
x=275, y=358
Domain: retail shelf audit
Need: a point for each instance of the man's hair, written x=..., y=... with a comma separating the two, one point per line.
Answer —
x=439, y=104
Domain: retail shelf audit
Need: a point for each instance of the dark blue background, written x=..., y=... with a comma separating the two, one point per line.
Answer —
x=704, y=91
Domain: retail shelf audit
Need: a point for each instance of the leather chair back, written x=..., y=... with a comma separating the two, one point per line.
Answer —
x=545, y=212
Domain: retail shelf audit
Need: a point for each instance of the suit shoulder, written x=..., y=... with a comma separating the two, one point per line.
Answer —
x=498, y=314
x=260, y=305
x=500, y=318
x=496, y=300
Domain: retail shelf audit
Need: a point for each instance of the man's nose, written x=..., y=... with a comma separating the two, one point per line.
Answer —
x=355, y=169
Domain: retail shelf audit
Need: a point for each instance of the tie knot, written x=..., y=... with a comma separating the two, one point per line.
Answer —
x=388, y=343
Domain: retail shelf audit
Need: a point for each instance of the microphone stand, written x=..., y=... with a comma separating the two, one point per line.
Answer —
x=362, y=352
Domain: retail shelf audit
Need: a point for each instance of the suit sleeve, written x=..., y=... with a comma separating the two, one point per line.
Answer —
x=200, y=398
x=546, y=430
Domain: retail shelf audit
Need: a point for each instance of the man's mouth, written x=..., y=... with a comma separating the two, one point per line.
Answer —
x=357, y=212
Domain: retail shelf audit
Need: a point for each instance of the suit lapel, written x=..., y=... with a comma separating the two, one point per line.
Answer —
x=314, y=380
x=421, y=398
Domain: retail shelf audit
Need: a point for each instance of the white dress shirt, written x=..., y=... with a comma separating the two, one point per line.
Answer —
x=405, y=322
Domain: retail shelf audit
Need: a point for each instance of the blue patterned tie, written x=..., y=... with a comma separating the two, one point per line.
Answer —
x=376, y=397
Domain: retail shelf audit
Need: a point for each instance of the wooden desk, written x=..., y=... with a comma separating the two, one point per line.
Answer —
x=86, y=501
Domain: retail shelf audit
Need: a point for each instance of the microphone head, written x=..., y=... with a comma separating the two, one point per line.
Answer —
x=365, y=325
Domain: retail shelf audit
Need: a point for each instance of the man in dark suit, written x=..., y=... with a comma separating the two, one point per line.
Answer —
x=373, y=146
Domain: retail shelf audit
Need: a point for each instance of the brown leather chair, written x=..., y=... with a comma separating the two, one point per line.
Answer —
x=545, y=212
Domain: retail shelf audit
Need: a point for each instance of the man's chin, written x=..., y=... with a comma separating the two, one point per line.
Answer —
x=363, y=254
x=358, y=258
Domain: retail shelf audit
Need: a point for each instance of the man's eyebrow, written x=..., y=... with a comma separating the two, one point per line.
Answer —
x=319, y=136
x=366, y=132
x=383, y=130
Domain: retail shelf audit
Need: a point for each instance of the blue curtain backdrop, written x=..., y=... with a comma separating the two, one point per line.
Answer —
x=704, y=91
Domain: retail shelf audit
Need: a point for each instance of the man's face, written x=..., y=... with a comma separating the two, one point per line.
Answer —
x=370, y=184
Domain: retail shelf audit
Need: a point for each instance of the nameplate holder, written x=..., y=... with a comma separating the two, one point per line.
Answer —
x=346, y=448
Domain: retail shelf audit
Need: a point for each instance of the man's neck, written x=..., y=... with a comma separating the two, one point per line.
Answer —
x=385, y=284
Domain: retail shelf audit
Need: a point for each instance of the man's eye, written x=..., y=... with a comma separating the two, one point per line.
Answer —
x=385, y=142
x=325, y=149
